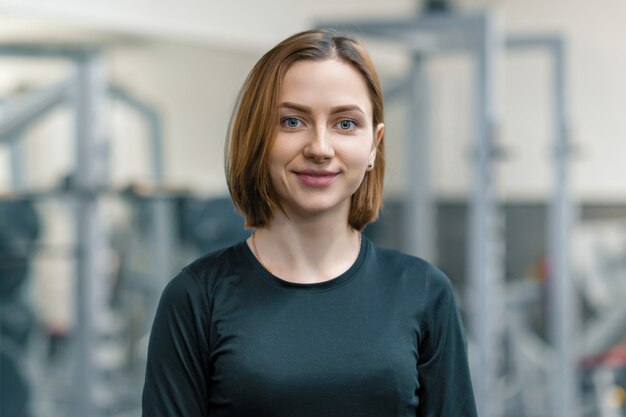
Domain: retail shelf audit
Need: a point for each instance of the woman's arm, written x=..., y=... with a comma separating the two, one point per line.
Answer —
x=177, y=374
x=445, y=385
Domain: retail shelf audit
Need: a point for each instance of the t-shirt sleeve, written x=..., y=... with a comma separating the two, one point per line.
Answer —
x=445, y=387
x=177, y=381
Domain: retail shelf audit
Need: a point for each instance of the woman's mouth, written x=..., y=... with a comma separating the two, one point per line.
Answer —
x=318, y=179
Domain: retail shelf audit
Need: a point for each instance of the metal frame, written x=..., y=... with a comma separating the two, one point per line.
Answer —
x=91, y=173
x=563, y=313
x=86, y=90
x=20, y=113
x=474, y=35
x=153, y=121
x=16, y=154
x=420, y=240
x=477, y=35
x=24, y=111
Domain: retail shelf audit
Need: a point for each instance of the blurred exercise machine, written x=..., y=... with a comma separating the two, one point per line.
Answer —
x=438, y=31
x=85, y=92
x=121, y=267
x=19, y=228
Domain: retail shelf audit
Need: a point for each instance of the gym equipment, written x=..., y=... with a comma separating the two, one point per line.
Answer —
x=85, y=92
x=475, y=35
x=19, y=227
x=212, y=224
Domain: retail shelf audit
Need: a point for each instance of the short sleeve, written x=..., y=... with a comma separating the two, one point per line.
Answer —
x=177, y=374
x=445, y=387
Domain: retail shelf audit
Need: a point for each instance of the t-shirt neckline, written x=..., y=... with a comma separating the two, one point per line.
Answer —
x=332, y=283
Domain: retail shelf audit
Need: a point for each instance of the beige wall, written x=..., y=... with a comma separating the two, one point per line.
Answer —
x=195, y=89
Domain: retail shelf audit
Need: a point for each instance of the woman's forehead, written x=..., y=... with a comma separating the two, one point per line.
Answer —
x=329, y=83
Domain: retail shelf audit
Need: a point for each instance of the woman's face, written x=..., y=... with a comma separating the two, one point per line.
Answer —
x=325, y=138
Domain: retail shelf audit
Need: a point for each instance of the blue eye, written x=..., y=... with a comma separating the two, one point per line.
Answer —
x=291, y=122
x=347, y=124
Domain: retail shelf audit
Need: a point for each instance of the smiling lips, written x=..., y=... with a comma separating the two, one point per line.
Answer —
x=315, y=178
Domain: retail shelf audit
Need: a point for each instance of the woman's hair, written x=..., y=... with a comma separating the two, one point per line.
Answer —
x=254, y=126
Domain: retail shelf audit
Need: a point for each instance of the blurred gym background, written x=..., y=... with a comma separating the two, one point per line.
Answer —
x=506, y=142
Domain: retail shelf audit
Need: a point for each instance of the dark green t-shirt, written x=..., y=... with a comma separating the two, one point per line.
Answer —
x=383, y=339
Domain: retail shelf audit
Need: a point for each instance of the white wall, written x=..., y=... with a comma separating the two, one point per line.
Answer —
x=239, y=23
x=195, y=89
x=597, y=64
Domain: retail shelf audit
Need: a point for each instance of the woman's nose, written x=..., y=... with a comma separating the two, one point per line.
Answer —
x=319, y=147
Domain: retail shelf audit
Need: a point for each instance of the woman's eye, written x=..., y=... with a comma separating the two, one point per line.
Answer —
x=347, y=124
x=291, y=122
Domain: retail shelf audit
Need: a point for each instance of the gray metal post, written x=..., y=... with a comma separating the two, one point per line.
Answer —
x=153, y=121
x=420, y=217
x=19, y=113
x=163, y=238
x=90, y=175
x=563, y=313
x=16, y=147
x=474, y=34
x=562, y=296
x=485, y=269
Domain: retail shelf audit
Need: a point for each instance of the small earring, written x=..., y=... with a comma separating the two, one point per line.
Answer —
x=370, y=165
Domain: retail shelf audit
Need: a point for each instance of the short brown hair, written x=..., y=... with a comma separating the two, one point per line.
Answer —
x=253, y=126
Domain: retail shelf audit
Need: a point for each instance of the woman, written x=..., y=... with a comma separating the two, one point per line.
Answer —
x=308, y=317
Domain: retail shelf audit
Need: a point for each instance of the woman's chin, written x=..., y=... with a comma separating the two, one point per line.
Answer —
x=317, y=209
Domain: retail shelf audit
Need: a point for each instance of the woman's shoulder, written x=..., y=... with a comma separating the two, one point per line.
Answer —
x=220, y=260
x=420, y=279
x=392, y=259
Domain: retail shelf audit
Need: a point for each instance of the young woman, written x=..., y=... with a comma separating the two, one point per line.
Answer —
x=308, y=317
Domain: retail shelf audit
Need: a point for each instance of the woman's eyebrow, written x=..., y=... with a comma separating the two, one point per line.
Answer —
x=333, y=110
x=346, y=108
x=297, y=107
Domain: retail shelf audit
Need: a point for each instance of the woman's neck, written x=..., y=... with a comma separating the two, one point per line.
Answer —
x=306, y=251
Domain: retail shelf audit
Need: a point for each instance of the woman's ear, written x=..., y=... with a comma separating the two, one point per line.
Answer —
x=380, y=131
x=378, y=135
